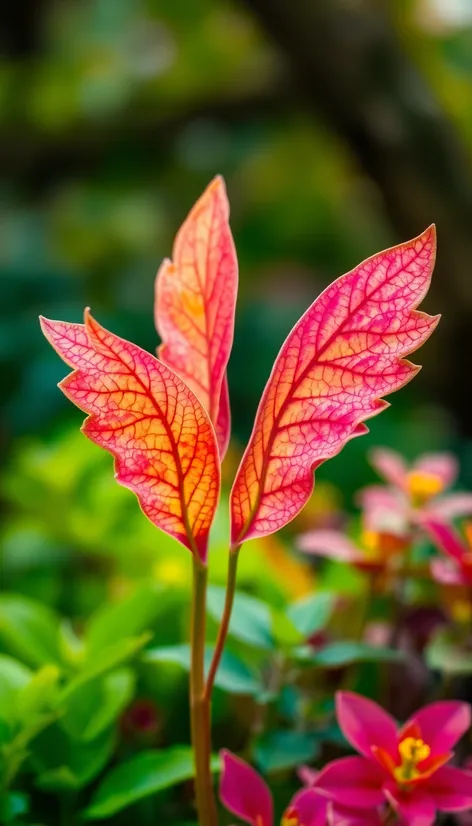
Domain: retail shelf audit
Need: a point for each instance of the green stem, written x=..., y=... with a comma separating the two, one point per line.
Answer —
x=200, y=710
x=225, y=620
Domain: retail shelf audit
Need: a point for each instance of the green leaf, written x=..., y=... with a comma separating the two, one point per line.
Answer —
x=98, y=704
x=104, y=661
x=141, y=776
x=61, y=779
x=281, y=750
x=445, y=653
x=63, y=765
x=128, y=618
x=12, y=805
x=233, y=676
x=338, y=654
x=38, y=695
x=13, y=677
x=284, y=631
x=251, y=619
x=29, y=630
x=71, y=646
x=312, y=613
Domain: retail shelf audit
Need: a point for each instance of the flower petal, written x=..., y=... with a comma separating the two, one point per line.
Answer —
x=390, y=465
x=365, y=724
x=451, y=506
x=451, y=789
x=443, y=465
x=379, y=497
x=244, y=793
x=310, y=807
x=443, y=724
x=446, y=539
x=416, y=808
x=307, y=775
x=446, y=572
x=352, y=782
x=344, y=817
x=332, y=544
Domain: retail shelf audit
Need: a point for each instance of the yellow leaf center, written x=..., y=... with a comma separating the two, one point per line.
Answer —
x=412, y=751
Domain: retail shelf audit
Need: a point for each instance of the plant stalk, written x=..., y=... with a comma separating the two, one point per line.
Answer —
x=200, y=707
x=225, y=620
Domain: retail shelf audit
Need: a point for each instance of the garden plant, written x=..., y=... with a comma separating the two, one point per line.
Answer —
x=322, y=668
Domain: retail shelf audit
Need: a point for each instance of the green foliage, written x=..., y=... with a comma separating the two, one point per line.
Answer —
x=448, y=652
x=250, y=620
x=234, y=675
x=146, y=774
x=281, y=750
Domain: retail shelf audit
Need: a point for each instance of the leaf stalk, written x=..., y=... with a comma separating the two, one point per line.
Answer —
x=225, y=620
x=200, y=702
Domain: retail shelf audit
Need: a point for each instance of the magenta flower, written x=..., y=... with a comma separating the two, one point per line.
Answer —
x=244, y=793
x=415, y=492
x=456, y=569
x=407, y=766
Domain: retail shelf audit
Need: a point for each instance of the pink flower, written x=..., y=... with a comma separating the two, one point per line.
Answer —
x=244, y=793
x=456, y=569
x=407, y=766
x=375, y=551
x=415, y=492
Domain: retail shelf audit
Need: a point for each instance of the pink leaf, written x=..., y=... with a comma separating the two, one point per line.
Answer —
x=343, y=355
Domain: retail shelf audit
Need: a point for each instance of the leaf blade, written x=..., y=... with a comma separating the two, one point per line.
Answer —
x=342, y=356
x=142, y=413
x=139, y=777
x=195, y=305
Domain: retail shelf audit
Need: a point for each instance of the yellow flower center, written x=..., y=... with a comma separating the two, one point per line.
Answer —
x=290, y=818
x=461, y=611
x=468, y=533
x=412, y=751
x=381, y=544
x=423, y=486
x=371, y=541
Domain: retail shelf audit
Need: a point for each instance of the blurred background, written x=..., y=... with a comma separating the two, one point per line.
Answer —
x=341, y=127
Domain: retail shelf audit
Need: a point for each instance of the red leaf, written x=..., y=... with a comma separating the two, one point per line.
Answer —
x=341, y=357
x=147, y=418
x=195, y=305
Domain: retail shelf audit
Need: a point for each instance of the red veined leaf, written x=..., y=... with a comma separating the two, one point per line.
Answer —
x=195, y=305
x=342, y=356
x=141, y=412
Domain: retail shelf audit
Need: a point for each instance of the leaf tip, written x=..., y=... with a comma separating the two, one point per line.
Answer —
x=428, y=241
x=43, y=322
x=217, y=184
